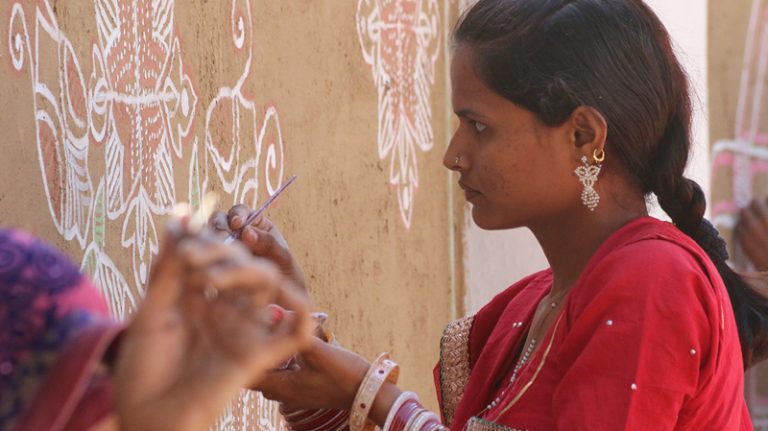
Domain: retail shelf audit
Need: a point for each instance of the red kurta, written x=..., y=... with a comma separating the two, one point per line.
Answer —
x=646, y=340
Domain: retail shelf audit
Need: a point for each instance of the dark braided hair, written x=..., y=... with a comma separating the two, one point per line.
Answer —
x=552, y=56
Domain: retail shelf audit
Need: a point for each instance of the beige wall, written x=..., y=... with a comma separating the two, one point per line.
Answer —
x=236, y=96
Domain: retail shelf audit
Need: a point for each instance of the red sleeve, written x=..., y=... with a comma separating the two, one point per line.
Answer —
x=637, y=340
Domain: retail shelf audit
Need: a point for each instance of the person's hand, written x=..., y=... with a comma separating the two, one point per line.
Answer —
x=261, y=237
x=204, y=331
x=323, y=377
x=752, y=232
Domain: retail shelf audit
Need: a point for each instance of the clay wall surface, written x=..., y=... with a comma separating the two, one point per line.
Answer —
x=115, y=111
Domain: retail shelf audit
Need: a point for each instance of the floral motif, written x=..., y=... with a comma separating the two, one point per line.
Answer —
x=400, y=40
x=136, y=112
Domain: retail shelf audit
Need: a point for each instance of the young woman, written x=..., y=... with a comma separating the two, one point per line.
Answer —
x=194, y=342
x=572, y=112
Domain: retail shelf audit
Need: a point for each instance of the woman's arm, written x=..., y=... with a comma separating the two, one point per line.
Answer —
x=327, y=379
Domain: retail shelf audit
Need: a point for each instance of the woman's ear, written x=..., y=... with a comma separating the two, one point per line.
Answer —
x=589, y=129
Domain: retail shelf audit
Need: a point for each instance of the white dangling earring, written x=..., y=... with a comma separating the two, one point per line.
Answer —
x=588, y=177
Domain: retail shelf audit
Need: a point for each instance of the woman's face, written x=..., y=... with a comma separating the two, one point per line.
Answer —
x=515, y=170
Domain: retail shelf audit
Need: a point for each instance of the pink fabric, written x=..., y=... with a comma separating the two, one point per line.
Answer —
x=74, y=395
x=54, y=330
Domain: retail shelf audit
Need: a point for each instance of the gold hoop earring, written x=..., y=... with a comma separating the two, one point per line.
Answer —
x=598, y=155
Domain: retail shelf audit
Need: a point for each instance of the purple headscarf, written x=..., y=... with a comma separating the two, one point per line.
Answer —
x=54, y=329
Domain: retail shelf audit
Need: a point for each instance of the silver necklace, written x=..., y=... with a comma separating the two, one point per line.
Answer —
x=524, y=358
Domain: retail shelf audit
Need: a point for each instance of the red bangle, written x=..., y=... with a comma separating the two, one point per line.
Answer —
x=403, y=414
x=423, y=421
x=301, y=416
x=433, y=425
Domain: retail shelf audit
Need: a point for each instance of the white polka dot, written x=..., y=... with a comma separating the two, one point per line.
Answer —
x=609, y=323
x=693, y=352
x=634, y=387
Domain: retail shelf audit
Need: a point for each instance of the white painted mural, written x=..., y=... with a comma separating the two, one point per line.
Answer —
x=135, y=113
x=401, y=40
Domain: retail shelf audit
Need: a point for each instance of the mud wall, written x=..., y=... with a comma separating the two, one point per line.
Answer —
x=115, y=111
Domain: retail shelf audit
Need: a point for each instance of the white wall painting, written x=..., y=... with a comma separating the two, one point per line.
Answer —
x=135, y=114
x=401, y=40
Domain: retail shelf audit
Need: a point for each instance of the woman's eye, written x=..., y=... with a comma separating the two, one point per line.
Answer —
x=479, y=127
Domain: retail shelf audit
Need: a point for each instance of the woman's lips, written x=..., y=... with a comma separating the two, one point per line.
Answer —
x=469, y=192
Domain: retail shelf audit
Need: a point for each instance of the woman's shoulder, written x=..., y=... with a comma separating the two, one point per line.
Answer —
x=659, y=250
x=654, y=262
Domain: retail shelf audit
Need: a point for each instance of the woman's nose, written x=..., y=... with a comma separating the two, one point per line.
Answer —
x=453, y=159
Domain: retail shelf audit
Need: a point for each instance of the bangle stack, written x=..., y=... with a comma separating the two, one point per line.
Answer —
x=381, y=370
x=315, y=420
x=407, y=414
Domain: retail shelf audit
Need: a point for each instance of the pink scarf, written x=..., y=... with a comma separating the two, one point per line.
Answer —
x=54, y=331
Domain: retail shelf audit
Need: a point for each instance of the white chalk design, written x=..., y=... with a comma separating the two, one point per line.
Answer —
x=138, y=105
x=400, y=40
x=224, y=146
x=135, y=116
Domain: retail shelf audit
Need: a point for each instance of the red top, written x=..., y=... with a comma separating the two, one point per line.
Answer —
x=646, y=340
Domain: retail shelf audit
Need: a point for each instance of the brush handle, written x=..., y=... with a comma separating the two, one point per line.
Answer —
x=236, y=233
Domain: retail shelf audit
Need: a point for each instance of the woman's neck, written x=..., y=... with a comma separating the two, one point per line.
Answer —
x=569, y=244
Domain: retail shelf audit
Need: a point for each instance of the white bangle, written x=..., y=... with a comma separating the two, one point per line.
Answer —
x=405, y=396
x=381, y=370
x=424, y=417
x=414, y=418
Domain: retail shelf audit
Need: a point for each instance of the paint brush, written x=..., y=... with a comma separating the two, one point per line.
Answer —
x=236, y=233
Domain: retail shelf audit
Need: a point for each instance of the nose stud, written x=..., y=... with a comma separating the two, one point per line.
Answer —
x=457, y=162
